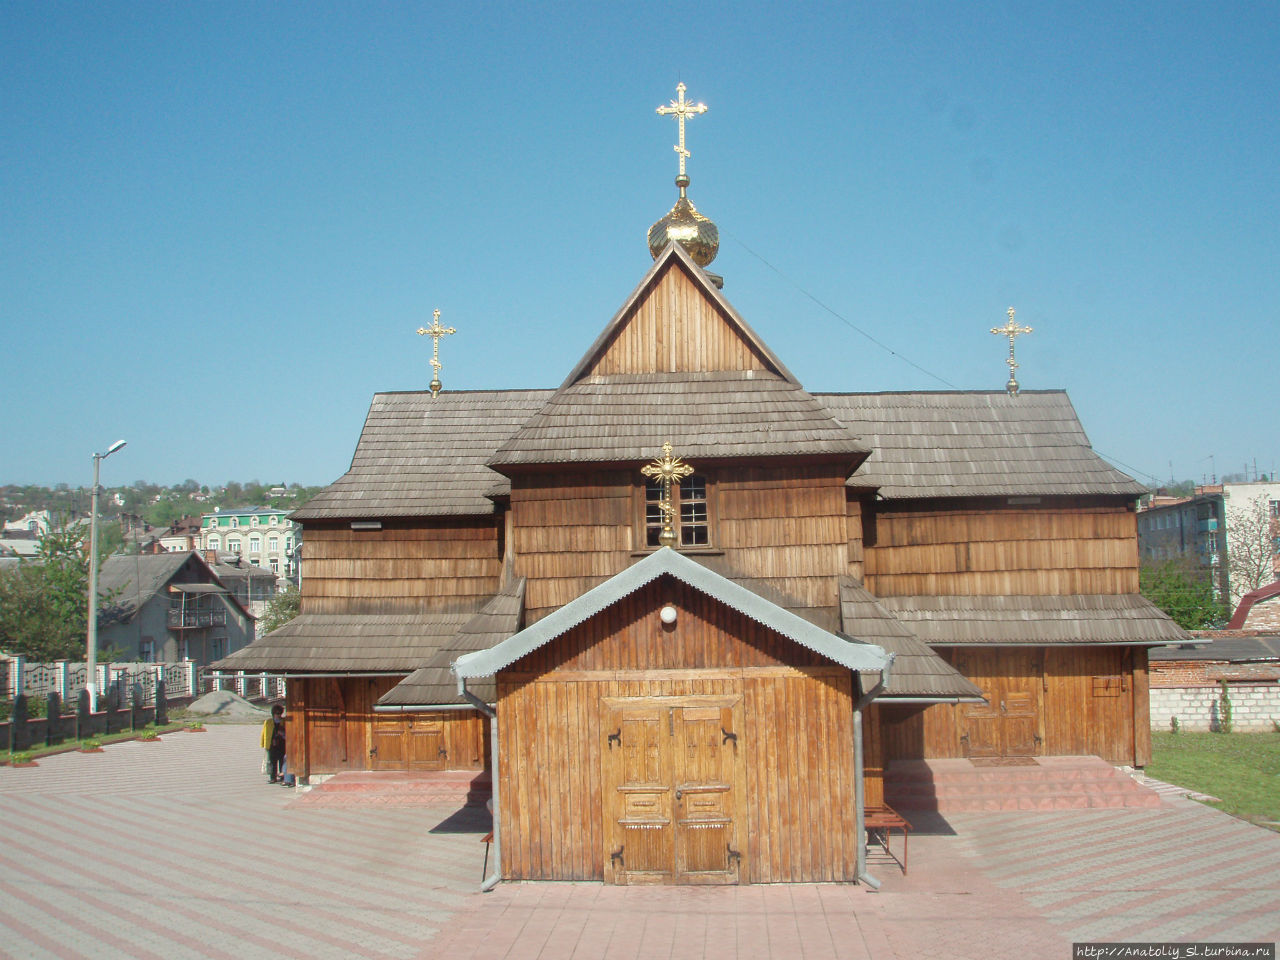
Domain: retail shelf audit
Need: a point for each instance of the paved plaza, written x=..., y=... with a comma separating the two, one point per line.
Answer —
x=179, y=849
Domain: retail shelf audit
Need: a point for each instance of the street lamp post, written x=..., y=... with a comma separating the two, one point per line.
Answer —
x=91, y=642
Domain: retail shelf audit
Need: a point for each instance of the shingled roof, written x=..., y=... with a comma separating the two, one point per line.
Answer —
x=974, y=444
x=705, y=415
x=435, y=682
x=355, y=642
x=918, y=673
x=1035, y=620
x=423, y=456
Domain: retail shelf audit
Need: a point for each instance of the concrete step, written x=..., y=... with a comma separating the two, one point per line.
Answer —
x=1045, y=783
x=463, y=787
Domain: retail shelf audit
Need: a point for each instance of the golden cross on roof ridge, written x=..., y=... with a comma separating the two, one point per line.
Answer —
x=1011, y=330
x=435, y=332
x=665, y=469
x=683, y=110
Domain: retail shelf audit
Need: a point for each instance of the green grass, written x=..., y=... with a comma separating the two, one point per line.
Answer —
x=1243, y=769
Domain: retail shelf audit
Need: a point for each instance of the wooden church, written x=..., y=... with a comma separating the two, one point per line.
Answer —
x=688, y=613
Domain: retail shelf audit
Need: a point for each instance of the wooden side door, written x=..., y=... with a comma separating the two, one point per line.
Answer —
x=326, y=728
x=424, y=744
x=387, y=751
x=980, y=726
x=637, y=797
x=706, y=750
x=1020, y=704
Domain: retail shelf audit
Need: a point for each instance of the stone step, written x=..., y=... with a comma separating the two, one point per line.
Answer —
x=1047, y=783
x=463, y=787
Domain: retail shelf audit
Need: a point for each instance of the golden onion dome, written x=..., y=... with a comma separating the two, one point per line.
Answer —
x=685, y=225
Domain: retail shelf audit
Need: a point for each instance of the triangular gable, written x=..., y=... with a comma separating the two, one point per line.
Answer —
x=847, y=653
x=676, y=321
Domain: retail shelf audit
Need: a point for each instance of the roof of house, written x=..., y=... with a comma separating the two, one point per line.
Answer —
x=356, y=643
x=705, y=415
x=974, y=444
x=918, y=673
x=1267, y=592
x=435, y=682
x=1035, y=620
x=1221, y=645
x=137, y=578
x=425, y=456
x=665, y=561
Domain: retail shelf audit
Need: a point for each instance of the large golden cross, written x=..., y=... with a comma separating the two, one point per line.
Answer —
x=665, y=469
x=435, y=332
x=683, y=110
x=1011, y=330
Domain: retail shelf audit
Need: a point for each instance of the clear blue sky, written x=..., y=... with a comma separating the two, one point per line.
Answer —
x=221, y=223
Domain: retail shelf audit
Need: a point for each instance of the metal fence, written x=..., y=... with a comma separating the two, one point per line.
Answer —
x=182, y=679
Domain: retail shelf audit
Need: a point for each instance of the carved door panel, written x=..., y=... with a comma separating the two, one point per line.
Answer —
x=425, y=747
x=980, y=725
x=706, y=746
x=637, y=797
x=1020, y=720
x=387, y=752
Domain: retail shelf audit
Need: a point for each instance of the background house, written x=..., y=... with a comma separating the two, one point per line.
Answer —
x=169, y=607
x=264, y=536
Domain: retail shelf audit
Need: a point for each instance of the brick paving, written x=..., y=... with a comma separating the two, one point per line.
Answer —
x=180, y=849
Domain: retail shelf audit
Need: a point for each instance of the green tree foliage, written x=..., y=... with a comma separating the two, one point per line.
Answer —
x=42, y=601
x=282, y=608
x=1183, y=592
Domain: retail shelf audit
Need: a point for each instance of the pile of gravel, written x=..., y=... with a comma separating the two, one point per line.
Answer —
x=226, y=706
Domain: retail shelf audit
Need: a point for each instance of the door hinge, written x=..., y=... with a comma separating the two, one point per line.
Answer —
x=443, y=752
x=615, y=858
x=615, y=737
x=373, y=751
x=733, y=855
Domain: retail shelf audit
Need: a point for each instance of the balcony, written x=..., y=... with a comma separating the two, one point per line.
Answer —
x=180, y=619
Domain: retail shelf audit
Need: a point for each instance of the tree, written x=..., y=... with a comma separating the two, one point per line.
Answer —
x=1184, y=592
x=43, y=601
x=1251, y=546
x=281, y=608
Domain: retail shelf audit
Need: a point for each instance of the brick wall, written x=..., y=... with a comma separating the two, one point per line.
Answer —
x=1254, y=706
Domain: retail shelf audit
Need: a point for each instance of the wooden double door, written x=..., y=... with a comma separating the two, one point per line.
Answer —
x=673, y=789
x=408, y=743
x=1009, y=723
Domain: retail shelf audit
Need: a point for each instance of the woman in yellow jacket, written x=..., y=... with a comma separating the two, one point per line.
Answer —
x=273, y=741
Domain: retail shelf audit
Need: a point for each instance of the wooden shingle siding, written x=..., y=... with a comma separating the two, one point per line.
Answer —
x=675, y=328
x=430, y=565
x=1003, y=552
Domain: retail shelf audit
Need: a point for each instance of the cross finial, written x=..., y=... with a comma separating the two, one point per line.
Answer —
x=1011, y=330
x=666, y=469
x=435, y=332
x=683, y=110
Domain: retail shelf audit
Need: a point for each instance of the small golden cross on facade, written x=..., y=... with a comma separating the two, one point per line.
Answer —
x=1011, y=330
x=435, y=332
x=683, y=110
x=666, y=469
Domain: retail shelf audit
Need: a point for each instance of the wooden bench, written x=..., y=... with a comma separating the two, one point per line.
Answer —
x=884, y=819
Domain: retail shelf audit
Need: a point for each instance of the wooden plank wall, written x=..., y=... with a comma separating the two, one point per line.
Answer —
x=675, y=328
x=788, y=524
x=797, y=738
x=329, y=721
x=403, y=568
x=570, y=531
x=853, y=530
x=1089, y=705
x=1003, y=551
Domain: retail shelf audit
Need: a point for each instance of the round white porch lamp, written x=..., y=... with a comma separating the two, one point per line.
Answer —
x=91, y=642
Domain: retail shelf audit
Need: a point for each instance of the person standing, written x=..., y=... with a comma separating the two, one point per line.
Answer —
x=273, y=741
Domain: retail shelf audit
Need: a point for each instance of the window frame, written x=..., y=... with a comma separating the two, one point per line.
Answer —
x=642, y=525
